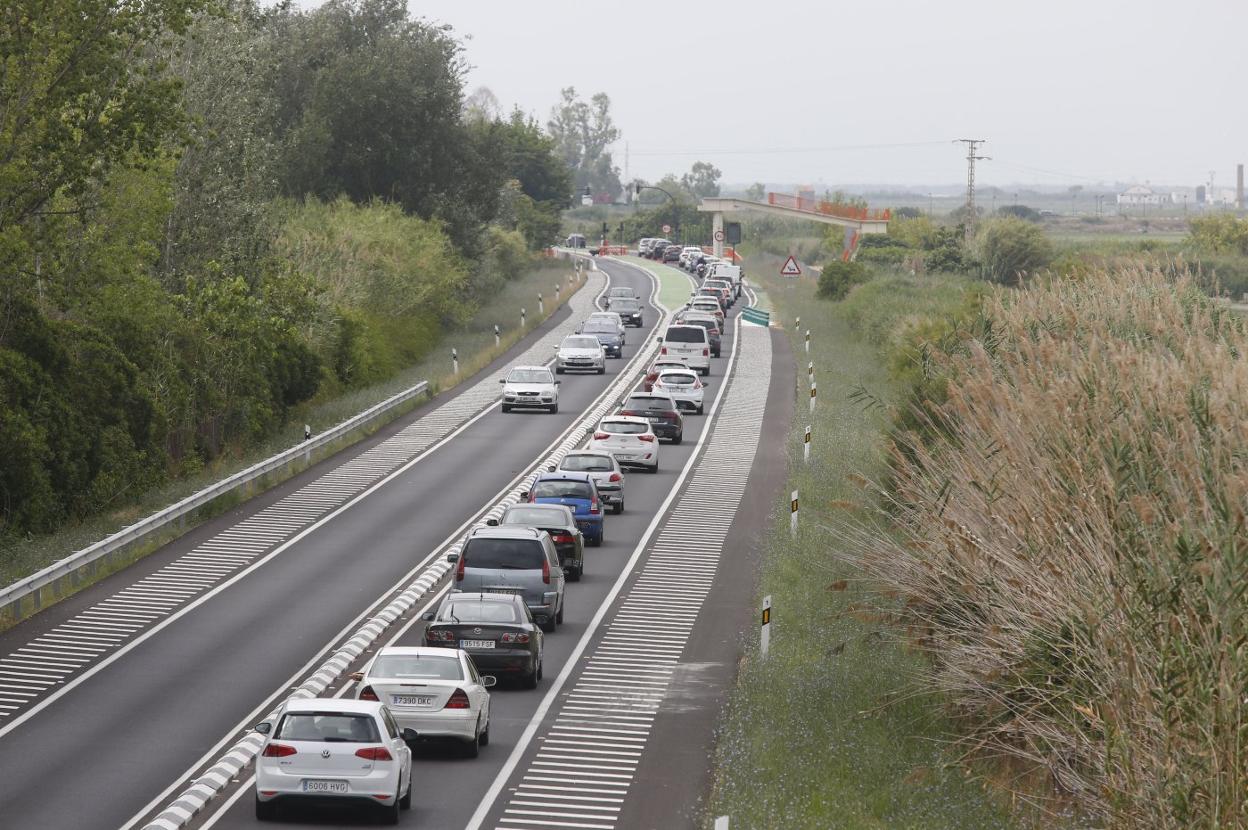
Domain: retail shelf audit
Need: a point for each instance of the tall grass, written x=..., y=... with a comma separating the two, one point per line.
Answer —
x=1068, y=541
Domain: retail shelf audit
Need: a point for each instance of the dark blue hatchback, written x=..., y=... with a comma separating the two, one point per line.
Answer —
x=578, y=492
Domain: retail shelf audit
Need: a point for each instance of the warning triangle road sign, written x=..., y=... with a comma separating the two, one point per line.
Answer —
x=791, y=268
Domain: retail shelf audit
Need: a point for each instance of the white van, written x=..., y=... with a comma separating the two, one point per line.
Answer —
x=688, y=344
x=724, y=271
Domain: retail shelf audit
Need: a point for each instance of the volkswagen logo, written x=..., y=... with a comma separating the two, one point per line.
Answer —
x=324, y=753
x=476, y=631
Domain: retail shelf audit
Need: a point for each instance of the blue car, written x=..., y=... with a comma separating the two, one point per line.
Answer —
x=579, y=493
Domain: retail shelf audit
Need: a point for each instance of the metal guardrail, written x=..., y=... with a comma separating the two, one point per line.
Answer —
x=26, y=595
x=756, y=315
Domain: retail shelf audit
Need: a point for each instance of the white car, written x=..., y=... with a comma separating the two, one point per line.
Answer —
x=581, y=352
x=682, y=386
x=690, y=345
x=530, y=387
x=629, y=439
x=435, y=691
x=331, y=748
x=603, y=469
x=708, y=305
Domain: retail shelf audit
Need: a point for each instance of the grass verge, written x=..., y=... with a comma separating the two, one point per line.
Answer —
x=674, y=285
x=833, y=731
x=474, y=341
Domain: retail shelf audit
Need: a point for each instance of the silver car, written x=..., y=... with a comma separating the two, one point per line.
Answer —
x=530, y=386
x=603, y=469
x=514, y=560
x=580, y=352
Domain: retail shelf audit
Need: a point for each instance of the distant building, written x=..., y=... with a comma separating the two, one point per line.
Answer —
x=1141, y=195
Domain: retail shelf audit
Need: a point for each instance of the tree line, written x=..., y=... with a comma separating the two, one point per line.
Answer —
x=212, y=212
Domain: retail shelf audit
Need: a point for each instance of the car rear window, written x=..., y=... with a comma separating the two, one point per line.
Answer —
x=586, y=464
x=685, y=334
x=504, y=554
x=330, y=727
x=624, y=427
x=419, y=666
x=562, y=489
x=677, y=379
x=706, y=324
x=530, y=375
x=534, y=516
x=475, y=610
x=641, y=402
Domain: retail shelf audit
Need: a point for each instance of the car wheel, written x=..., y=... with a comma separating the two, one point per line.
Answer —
x=617, y=509
x=706, y=372
x=530, y=680
x=680, y=436
x=574, y=575
x=554, y=409
x=559, y=615
x=700, y=409
x=595, y=541
x=506, y=408
x=405, y=803
x=472, y=748
x=540, y=667
x=390, y=815
x=484, y=739
x=715, y=353
x=548, y=627
x=602, y=370
x=265, y=810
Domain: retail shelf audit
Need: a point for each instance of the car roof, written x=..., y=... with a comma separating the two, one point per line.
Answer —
x=683, y=326
x=543, y=368
x=653, y=394
x=561, y=509
x=507, y=532
x=420, y=651
x=595, y=453
x=632, y=419
x=564, y=475
x=332, y=704
x=676, y=371
x=483, y=596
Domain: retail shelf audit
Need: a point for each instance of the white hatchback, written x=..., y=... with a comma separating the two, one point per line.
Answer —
x=327, y=748
x=435, y=691
x=683, y=386
x=629, y=439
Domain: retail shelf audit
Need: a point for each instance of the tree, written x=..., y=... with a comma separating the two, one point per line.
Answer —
x=702, y=180
x=582, y=132
x=839, y=277
x=1019, y=212
x=756, y=192
x=1219, y=233
x=1011, y=249
x=482, y=105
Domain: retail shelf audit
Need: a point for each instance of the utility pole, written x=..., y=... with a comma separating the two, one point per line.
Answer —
x=971, y=145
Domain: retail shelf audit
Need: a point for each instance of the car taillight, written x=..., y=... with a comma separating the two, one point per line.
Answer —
x=514, y=638
x=706, y=352
x=601, y=436
x=374, y=753
x=459, y=569
x=439, y=635
x=663, y=350
x=649, y=438
x=546, y=572
x=593, y=506
x=278, y=751
x=616, y=477
x=367, y=693
x=458, y=700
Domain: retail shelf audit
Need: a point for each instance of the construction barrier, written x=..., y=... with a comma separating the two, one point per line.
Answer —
x=757, y=316
x=827, y=208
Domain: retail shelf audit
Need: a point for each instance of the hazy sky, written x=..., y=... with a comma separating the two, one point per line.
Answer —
x=1065, y=91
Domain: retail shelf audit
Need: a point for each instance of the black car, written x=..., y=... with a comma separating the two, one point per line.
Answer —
x=671, y=253
x=656, y=249
x=628, y=309
x=660, y=410
x=558, y=521
x=608, y=335
x=497, y=631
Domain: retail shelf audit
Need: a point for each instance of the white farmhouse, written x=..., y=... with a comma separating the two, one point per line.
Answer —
x=1141, y=195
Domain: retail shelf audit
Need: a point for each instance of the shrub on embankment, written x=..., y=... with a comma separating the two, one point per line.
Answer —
x=1066, y=532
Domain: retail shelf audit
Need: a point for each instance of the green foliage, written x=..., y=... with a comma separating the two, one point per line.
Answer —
x=946, y=251
x=1020, y=212
x=1219, y=233
x=702, y=180
x=839, y=277
x=756, y=192
x=1011, y=249
x=918, y=232
x=582, y=132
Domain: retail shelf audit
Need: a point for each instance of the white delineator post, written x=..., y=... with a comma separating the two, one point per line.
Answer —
x=813, y=395
x=797, y=323
x=721, y=823
x=807, y=341
x=541, y=307
x=806, y=445
x=455, y=362
x=810, y=371
x=522, y=319
x=498, y=338
x=793, y=515
x=764, y=641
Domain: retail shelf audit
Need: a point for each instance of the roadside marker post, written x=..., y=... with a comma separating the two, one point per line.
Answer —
x=764, y=643
x=807, y=341
x=556, y=292
x=721, y=823
x=498, y=336
x=522, y=319
x=797, y=323
x=455, y=362
x=541, y=307
x=810, y=371
x=806, y=445
x=814, y=393
x=793, y=514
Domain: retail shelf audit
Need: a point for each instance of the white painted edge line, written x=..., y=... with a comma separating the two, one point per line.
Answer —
x=215, y=778
x=526, y=738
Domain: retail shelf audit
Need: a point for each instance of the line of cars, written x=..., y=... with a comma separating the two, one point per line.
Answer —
x=509, y=586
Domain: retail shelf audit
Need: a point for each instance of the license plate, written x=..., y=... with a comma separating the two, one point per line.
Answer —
x=513, y=591
x=412, y=700
x=314, y=786
x=476, y=644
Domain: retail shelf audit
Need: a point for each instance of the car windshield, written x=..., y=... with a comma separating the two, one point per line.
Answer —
x=625, y=304
x=685, y=334
x=535, y=517
x=624, y=427
x=586, y=464
x=599, y=327
x=639, y=402
x=418, y=666
x=581, y=343
x=504, y=554
x=475, y=610
x=620, y=292
x=562, y=490
x=530, y=375
x=676, y=379
x=330, y=727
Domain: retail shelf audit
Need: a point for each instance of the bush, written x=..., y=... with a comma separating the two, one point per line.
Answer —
x=884, y=255
x=1011, y=249
x=839, y=277
x=1019, y=212
x=1220, y=233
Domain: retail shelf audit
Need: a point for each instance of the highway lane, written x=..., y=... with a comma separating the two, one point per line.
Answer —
x=102, y=751
x=449, y=788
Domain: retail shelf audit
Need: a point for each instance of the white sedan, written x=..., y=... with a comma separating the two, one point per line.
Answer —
x=530, y=386
x=332, y=748
x=630, y=439
x=683, y=386
x=580, y=351
x=435, y=691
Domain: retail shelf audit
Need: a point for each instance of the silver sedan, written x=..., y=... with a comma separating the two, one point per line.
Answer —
x=580, y=352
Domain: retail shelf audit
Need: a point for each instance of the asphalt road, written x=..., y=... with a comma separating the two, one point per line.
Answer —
x=101, y=752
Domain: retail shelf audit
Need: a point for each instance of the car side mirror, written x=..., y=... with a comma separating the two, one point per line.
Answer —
x=264, y=727
x=558, y=383
x=551, y=468
x=706, y=383
x=409, y=734
x=502, y=380
x=357, y=676
x=658, y=338
x=489, y=681
x=492, y=522
x=429, y=616
x=524, y=495
x=452, y=558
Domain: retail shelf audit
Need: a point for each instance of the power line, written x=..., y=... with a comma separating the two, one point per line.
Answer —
x=784, y=150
